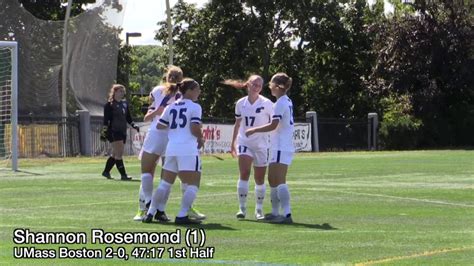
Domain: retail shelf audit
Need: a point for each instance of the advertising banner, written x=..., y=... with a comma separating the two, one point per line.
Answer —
x=219, y=137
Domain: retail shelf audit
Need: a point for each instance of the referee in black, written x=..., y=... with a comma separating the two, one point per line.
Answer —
x=116, y=117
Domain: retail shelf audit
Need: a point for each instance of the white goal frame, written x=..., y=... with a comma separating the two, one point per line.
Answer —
x=14, y=101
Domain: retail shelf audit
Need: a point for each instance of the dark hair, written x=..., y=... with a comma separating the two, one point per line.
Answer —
x=187, y=84
x=282, y=81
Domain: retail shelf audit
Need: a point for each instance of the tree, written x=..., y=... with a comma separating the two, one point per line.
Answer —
x=150, y=63
x=53, y=9
x=428, y=56
x=141, y=68
x=346, y=58
x=211, y=45
x=328, y=57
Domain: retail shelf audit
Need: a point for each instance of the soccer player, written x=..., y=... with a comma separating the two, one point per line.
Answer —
x=116, y=117
x=251, y=111
x=183, y=121
x=282, y=149
x=156, y=140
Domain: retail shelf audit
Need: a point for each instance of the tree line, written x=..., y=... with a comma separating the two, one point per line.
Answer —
x=413, y=67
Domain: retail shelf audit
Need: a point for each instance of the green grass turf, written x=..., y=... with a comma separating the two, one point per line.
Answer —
x=390, y=208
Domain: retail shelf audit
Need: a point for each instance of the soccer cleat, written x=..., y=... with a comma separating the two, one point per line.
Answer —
x=259, y=214
x=147, y=219
x=241, y=213
x=283, y=220
x=186, y=220
x=107, y=175
x=271, y=217
x=140, y=215
x=126, y=178
x=161, y=216
x=195, y=214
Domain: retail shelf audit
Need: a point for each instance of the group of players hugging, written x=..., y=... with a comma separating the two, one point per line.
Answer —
x=262, y=136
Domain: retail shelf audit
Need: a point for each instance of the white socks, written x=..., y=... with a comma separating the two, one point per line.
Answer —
x=146, y=190
x=275, y=200
x=284, y=196
x=188, y=198
x=160, y=197
x=183, y=187
x=259, y=196
x=242, y=191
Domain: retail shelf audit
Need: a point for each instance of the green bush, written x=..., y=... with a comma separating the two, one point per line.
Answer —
x=399, y=129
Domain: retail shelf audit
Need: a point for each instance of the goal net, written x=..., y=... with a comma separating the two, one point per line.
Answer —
x=8, y=105
x=70, y=64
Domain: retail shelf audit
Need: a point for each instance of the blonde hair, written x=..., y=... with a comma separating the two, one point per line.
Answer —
x=113, y=90
x=240, y=84
x=174, y=75
x=282, y=81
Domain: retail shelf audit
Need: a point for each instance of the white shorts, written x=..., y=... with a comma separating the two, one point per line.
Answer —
x=260, y=156
x=283, y=157
x=177, y=164
x=155, y=142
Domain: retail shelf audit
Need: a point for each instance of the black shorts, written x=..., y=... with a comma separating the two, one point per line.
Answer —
x=116, y=136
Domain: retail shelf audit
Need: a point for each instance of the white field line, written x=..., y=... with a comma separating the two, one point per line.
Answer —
x=371, y=231
x=416, y=255
x=210, y=195
x=393, y=197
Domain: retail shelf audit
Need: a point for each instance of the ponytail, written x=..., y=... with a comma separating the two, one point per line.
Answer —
x=174, y=75
x=237, y=84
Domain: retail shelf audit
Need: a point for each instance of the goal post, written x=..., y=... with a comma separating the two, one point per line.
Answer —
x=9, y=102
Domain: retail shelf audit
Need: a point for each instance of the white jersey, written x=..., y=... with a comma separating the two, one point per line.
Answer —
x=282, y=136
x=158, y=95
x=253, y=115
x=178, y=117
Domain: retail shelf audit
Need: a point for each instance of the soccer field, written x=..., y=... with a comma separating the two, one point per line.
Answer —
x=366, y=208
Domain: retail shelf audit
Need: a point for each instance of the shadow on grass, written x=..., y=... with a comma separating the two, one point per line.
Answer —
x=125, y=181
x=204, y=225
x=27, y=172
x=324, y=226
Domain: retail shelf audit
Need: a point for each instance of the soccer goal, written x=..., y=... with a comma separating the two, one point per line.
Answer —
x=8, y=105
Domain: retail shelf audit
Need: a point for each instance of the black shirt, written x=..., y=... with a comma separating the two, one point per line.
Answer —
x=117, y=115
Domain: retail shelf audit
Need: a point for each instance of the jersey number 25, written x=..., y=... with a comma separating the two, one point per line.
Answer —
x=181, y=117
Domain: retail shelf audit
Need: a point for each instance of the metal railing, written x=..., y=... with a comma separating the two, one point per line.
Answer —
x=337, y=134
x=48, y=136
